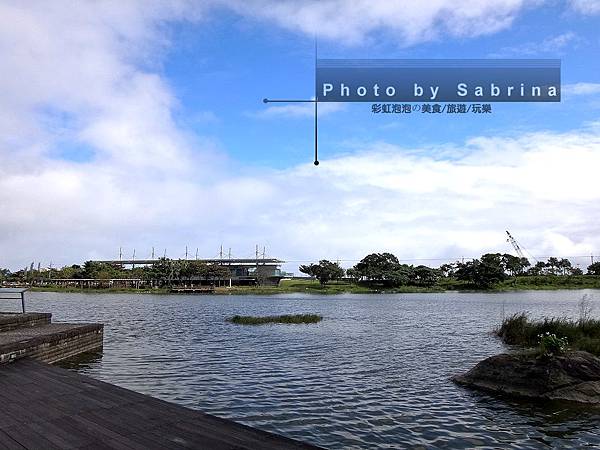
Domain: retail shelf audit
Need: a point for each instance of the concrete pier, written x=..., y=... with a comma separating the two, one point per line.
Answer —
x=34, y=335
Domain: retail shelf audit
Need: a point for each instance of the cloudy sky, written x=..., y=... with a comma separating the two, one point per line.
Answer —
x=139, y=124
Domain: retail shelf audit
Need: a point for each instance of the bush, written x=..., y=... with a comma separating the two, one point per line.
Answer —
x=551, y=345
x=549, y=333
x=513, y=330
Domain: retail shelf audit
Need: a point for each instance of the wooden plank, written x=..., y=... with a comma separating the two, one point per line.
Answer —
x=8, y=443
x=48, y=407
x=28, y=438
x=62, y=429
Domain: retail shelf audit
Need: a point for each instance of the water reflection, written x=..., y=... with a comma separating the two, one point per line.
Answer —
x=82, y=362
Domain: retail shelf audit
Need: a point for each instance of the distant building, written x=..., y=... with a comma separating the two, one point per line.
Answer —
x=242, y=272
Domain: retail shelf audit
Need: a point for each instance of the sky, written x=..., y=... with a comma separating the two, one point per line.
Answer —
x=140, y=124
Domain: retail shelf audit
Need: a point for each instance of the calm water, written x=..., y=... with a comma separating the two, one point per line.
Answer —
x=373, y=374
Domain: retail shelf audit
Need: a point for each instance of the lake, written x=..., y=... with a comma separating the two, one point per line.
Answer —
x=373, y=374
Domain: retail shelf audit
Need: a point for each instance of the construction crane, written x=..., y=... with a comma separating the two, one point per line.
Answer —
x=517, y=247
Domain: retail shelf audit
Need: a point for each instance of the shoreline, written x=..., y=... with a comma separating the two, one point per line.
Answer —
x=314, y=288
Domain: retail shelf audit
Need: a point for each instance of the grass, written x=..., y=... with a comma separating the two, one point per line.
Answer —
x=582, y=334
x=550, y=282
x=545, y=282
x=287, y=318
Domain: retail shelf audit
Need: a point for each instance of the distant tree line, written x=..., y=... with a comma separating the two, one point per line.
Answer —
x=377, y=268
x=164, y=272
x=493, y=268
x=386, y=270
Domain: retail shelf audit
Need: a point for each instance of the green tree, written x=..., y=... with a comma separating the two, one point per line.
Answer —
x=93, y=269
x=325, y=271
x=565, y=266
x=515, y=265
x=162, y=271
x=552, y=266
x=447, y=270
x=188, y=270
x=74, y=271
x=424, y=276
x=4, y=274
x=103, y=276
x=576, y=271
x=215, y=272
x=484, y=272
x=538, y=269
x=353, y=274
x=379, y=267
x=401, y=275
x=594, y=269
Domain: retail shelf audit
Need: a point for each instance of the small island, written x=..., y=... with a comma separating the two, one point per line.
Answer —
x=556, y=359
x=286, y=318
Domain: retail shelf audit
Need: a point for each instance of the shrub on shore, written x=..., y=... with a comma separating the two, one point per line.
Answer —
x=584, y=335
x=286, y=318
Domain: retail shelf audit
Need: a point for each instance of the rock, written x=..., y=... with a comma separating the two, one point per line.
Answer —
x=574, y=376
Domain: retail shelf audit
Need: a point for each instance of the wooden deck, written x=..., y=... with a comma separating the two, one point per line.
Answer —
x=46, y=407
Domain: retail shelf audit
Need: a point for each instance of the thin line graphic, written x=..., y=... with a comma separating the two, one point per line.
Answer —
x=315, y=101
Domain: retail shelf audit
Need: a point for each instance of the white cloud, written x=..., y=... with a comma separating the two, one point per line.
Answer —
x=580, y=89
x=540, y=186
x=297, y=110
x=411, y=21
x=590, y=7
x=554, y=45
x=71, y=69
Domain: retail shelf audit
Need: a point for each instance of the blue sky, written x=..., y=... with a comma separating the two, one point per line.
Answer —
x=221, y=70
x=140, y=124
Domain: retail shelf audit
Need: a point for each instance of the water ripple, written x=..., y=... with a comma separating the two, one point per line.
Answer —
x=373, y=374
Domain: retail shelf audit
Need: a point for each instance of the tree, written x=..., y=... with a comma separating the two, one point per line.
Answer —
x=538, y=269
x=74, y=271
x=552, y=266
x=424, y=276
x=325, y=271
x=594, y=269
x=215, y=272
x=192, y=269
x=380, y=267
x=162, y=271
x=515, y=265
x=103, y=276
x=565, y=267
x=576, y=271
x=447, y=270
x=4, y=274
x=401, y=275
x=483, y=272
x=93, y=269
x=354, y=274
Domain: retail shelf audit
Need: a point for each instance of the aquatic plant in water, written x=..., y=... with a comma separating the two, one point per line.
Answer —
x=286, y=318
